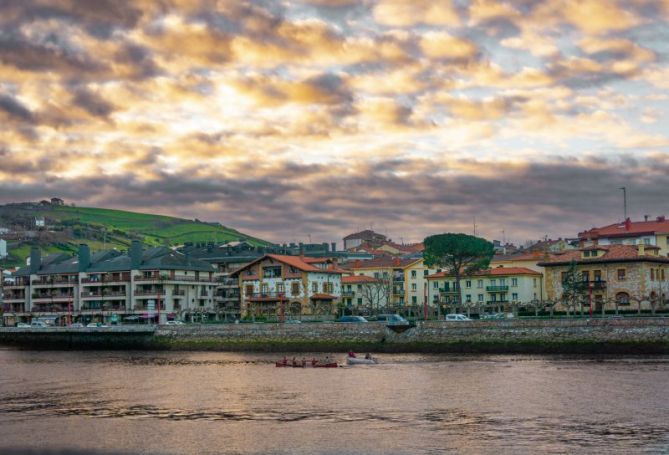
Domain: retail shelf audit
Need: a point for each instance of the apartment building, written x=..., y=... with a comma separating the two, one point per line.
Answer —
x=493, y=287
x=280, y=286
x=627, y=277
x=364, y=294
x=153, y=285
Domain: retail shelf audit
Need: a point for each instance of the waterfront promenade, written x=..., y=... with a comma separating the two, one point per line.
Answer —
x=601, y=336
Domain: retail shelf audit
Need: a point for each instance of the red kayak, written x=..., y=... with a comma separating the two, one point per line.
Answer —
x=313, y=363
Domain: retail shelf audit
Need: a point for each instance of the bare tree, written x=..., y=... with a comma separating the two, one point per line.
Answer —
x=376, y=294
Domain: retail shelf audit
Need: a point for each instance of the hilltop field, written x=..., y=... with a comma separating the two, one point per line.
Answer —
x=66, y=227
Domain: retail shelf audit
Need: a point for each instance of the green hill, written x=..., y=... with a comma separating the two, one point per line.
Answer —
x=104, y=228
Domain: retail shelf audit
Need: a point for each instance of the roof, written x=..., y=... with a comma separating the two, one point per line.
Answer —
x=531, y=256
x=383, y=262
x=612, y=253
x=323, y=297
x=367, y=234
x=628, y=229
x=358, y=279
x=294, y=261
x=497, y=271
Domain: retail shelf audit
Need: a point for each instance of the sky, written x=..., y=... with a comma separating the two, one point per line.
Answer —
x=309, y=120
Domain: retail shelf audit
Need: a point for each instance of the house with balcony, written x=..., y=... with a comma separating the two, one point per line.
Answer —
x=492, y=288
x=280, y=287
x=364, y=295
x=137, y=286
x=614, y=276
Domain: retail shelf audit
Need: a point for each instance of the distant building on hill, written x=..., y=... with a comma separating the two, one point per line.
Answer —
x=57, y=201
x=358, y=238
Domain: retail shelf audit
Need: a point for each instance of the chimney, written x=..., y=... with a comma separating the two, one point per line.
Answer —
x=325, y=246
x=135, y=254
x=645, y=217
x=628, y=224
x=333, y=246
x=660, y=218
x=35, y=260
x=84, y=257
x=642, y=249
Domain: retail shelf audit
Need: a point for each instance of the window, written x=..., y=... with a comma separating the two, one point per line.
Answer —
x=621, y=274
x=479, y=284
x=359, y=287
x=585, y=275
x=586, y=254
x=468, y=297
x=414, y=299
x=425, y=272
x=280, y=288
x=413, y=287
x=271, y=272
x=314, y=287
x=480, y=296
x=493, y=282
x=514, y=282
x=623, y=298
x=413, y=274
x=385, y=274
x=295, y=289
x=359, y=300
x=652, y=274
x=264, y=289
x=514, y=297
x=597, y=275
x=376, y=275
x=468, y=284
x=534, y=282
x=249, y=289
x=435, y=285
x=502, y=281
x=327, y=288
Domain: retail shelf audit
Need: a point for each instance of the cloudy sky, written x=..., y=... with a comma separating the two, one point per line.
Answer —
x=288, y=118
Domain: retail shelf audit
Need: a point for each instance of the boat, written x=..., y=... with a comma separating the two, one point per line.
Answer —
x=361, y=361
x=313, y=363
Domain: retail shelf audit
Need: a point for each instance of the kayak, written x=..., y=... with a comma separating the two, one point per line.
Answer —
x=360, y=361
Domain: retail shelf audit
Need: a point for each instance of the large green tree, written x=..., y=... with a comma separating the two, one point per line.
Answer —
x=459, y=254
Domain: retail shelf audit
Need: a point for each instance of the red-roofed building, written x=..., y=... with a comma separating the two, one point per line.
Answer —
x=649, y=232
x=627, y=277
x=365, y=295
x=358, y=238
x=496, y=288
x=280, y=287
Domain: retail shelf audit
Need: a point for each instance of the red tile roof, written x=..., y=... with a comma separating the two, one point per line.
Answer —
x=358, y=279
x=612, y=253
x=382, y=262
x=630, y=229
x=323, y=297
x=294, y=261
x=497, y=271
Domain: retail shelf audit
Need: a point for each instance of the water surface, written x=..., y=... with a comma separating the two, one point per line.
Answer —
x=224, y=403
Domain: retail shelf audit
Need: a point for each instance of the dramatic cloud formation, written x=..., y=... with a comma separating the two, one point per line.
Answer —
x=320, y=117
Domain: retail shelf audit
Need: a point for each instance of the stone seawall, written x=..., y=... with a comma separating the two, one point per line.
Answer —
x=600, y=336
x=508, y=336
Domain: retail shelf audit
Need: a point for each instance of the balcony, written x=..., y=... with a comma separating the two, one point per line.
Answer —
x=497, y=288
x=179, y=292
x=596, y=285
x=161, y=278
x=497, y=302
x=52, y=297
x=103, y=295
x=149, y=292
x=266, y=296
x=347, y=293
x=225, y=281
x=55, y=281
x=448, y=291
x=122, y=278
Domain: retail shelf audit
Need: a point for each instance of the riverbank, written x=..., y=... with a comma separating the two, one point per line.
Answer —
x=563, y=336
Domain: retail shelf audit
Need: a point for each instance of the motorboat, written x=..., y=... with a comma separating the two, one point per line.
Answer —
x=361, y=361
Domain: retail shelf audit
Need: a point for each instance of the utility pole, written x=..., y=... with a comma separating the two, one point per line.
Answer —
x=474, y=225
x=624, y=200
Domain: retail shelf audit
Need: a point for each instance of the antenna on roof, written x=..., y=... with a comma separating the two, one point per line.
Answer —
x=624, y=201
x=474, y=225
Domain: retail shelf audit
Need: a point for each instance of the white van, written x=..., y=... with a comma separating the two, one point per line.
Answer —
x=457, y=317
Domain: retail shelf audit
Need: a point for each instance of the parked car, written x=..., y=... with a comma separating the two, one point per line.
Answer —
x=174, y=323
x=352, y=319
x=392, y=319
x=38, y=324
x=76, y=325
x=457, y=317
x=96, y=324
x=23, y=325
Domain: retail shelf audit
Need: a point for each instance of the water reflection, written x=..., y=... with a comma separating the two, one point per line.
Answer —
x=239, y=403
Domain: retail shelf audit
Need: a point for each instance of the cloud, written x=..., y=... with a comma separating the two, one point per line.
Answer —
x=402, y=14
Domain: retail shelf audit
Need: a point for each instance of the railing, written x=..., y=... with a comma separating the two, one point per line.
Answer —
x=190, y=279
x=107, y=279
x=43, y=282
x=179, y=292
x=497, y=288
x=16, y=283
x=149, y=292
x=585, y=284
x=447, y=291
x=225, y=281
x=52, y=296
x=102, y=294
x=497, y=302
x=347, y=293
x=266, y=295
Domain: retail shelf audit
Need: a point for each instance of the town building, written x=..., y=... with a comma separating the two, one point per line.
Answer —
x=156, y=284
x=358, y=238
x=649, y=232
x=3, y=249
x=364, y=294
x=615, y=277
x=492, y=288
x=282, y=286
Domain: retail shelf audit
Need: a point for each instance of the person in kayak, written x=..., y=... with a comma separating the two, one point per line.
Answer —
x=351, y=354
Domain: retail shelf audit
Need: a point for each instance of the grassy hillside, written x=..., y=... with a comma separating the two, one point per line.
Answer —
x=106, y=228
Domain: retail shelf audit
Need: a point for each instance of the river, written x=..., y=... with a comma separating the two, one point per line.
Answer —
x=235, y=403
